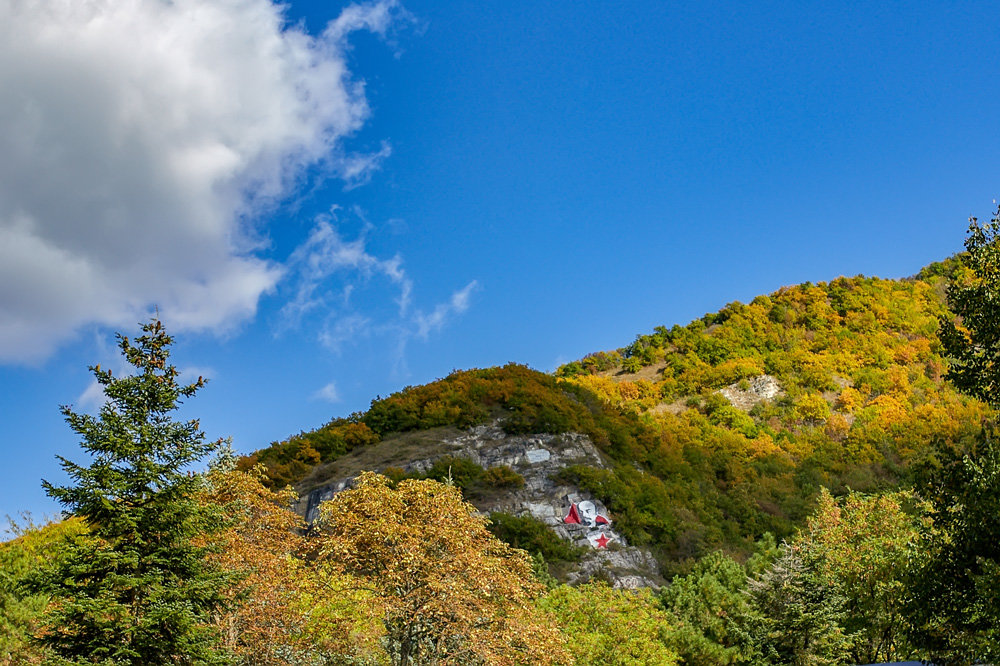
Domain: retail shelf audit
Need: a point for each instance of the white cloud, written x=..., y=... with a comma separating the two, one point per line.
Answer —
x=326, y=254
x=140, y=140
x=92, y=398
x=345, y=329
x=328, y=393
x=326, y=271
x=456, y=305
x=191, y=373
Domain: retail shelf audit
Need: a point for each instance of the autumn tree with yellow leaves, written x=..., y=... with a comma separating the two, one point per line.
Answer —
x=449, y=592
x=287, y=607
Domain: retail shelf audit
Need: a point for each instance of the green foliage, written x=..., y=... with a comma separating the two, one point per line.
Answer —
x=540, y=570
x=640, y=502
x=710, y=608
x=863, y=547
x=955, y=593
x=861, y=372
x=461, y=472
x=609, y=627
x=21, y=610
x=974, y=343
x=534, y=536
x=632, y=364
x=288, y=461
x=944, y=269
x=798, y=618
x=136, y=588
x=470, y=476
x=502, y=476
x=954, y=586
x=592, y=364
x=532, y=402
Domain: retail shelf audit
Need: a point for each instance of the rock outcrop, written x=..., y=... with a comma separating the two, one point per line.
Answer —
x=538, y=459
x=753, y=391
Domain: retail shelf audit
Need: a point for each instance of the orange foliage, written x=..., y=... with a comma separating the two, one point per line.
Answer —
x=281, y=603
x=449, y=591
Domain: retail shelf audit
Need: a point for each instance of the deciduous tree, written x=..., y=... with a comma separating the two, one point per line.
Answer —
x=973, y=342
x=955, y=589
x=449, y=591
x=607, y=627
x=293, y=610
x=862, y=547
x=956, y=585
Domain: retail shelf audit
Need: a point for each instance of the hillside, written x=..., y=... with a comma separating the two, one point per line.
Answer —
x=709, y=435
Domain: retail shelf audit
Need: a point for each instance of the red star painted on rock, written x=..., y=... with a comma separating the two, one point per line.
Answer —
x=602, y=541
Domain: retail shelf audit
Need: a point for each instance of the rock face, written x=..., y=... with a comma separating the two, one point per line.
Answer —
x=538, y=458
x=764, y=387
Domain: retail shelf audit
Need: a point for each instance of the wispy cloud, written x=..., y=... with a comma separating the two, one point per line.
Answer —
x=327, y=271
x=339, y=331
x=456, y=305
x=326, y=254
x=328, y=393
x=140, y=144
x=92, y=398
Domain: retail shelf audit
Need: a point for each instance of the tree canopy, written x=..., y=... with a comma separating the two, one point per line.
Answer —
x=449, y=591
x=137, y=587
x=973, y=340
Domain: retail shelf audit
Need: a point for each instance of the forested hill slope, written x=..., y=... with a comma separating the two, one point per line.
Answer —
x=716, y=432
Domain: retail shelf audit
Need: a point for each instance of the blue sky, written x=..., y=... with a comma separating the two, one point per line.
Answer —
x=341, y=200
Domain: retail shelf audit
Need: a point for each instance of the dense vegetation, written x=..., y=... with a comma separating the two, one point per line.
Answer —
x=860, y=370
x=20, y=609
x=403, y=571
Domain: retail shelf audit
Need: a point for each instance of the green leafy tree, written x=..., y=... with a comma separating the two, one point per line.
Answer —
x=136, y=588
x=955, y=589
x=611, y=627
x=973, y=343
x=862, y=546
x=20, y=609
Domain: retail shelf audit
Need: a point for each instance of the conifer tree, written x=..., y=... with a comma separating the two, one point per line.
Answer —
x=798, y=614
x=137, y=587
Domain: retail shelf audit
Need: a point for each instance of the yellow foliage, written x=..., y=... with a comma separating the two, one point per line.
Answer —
x=899, y=381
x=734, y=370
x=763, y=445
x=850, y=399
x=608, y=627
x=449, y=592
x=836, y=427
x=812, y=407
x=603, y=387
x=628, y=391
x=888, y=411
x=283, y=605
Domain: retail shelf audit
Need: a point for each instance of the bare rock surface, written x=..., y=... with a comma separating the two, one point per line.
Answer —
x=764, y=387
x=537, y=458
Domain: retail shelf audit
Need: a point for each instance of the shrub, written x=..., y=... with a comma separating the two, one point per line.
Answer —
x=503, y=477
x=534, y=536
